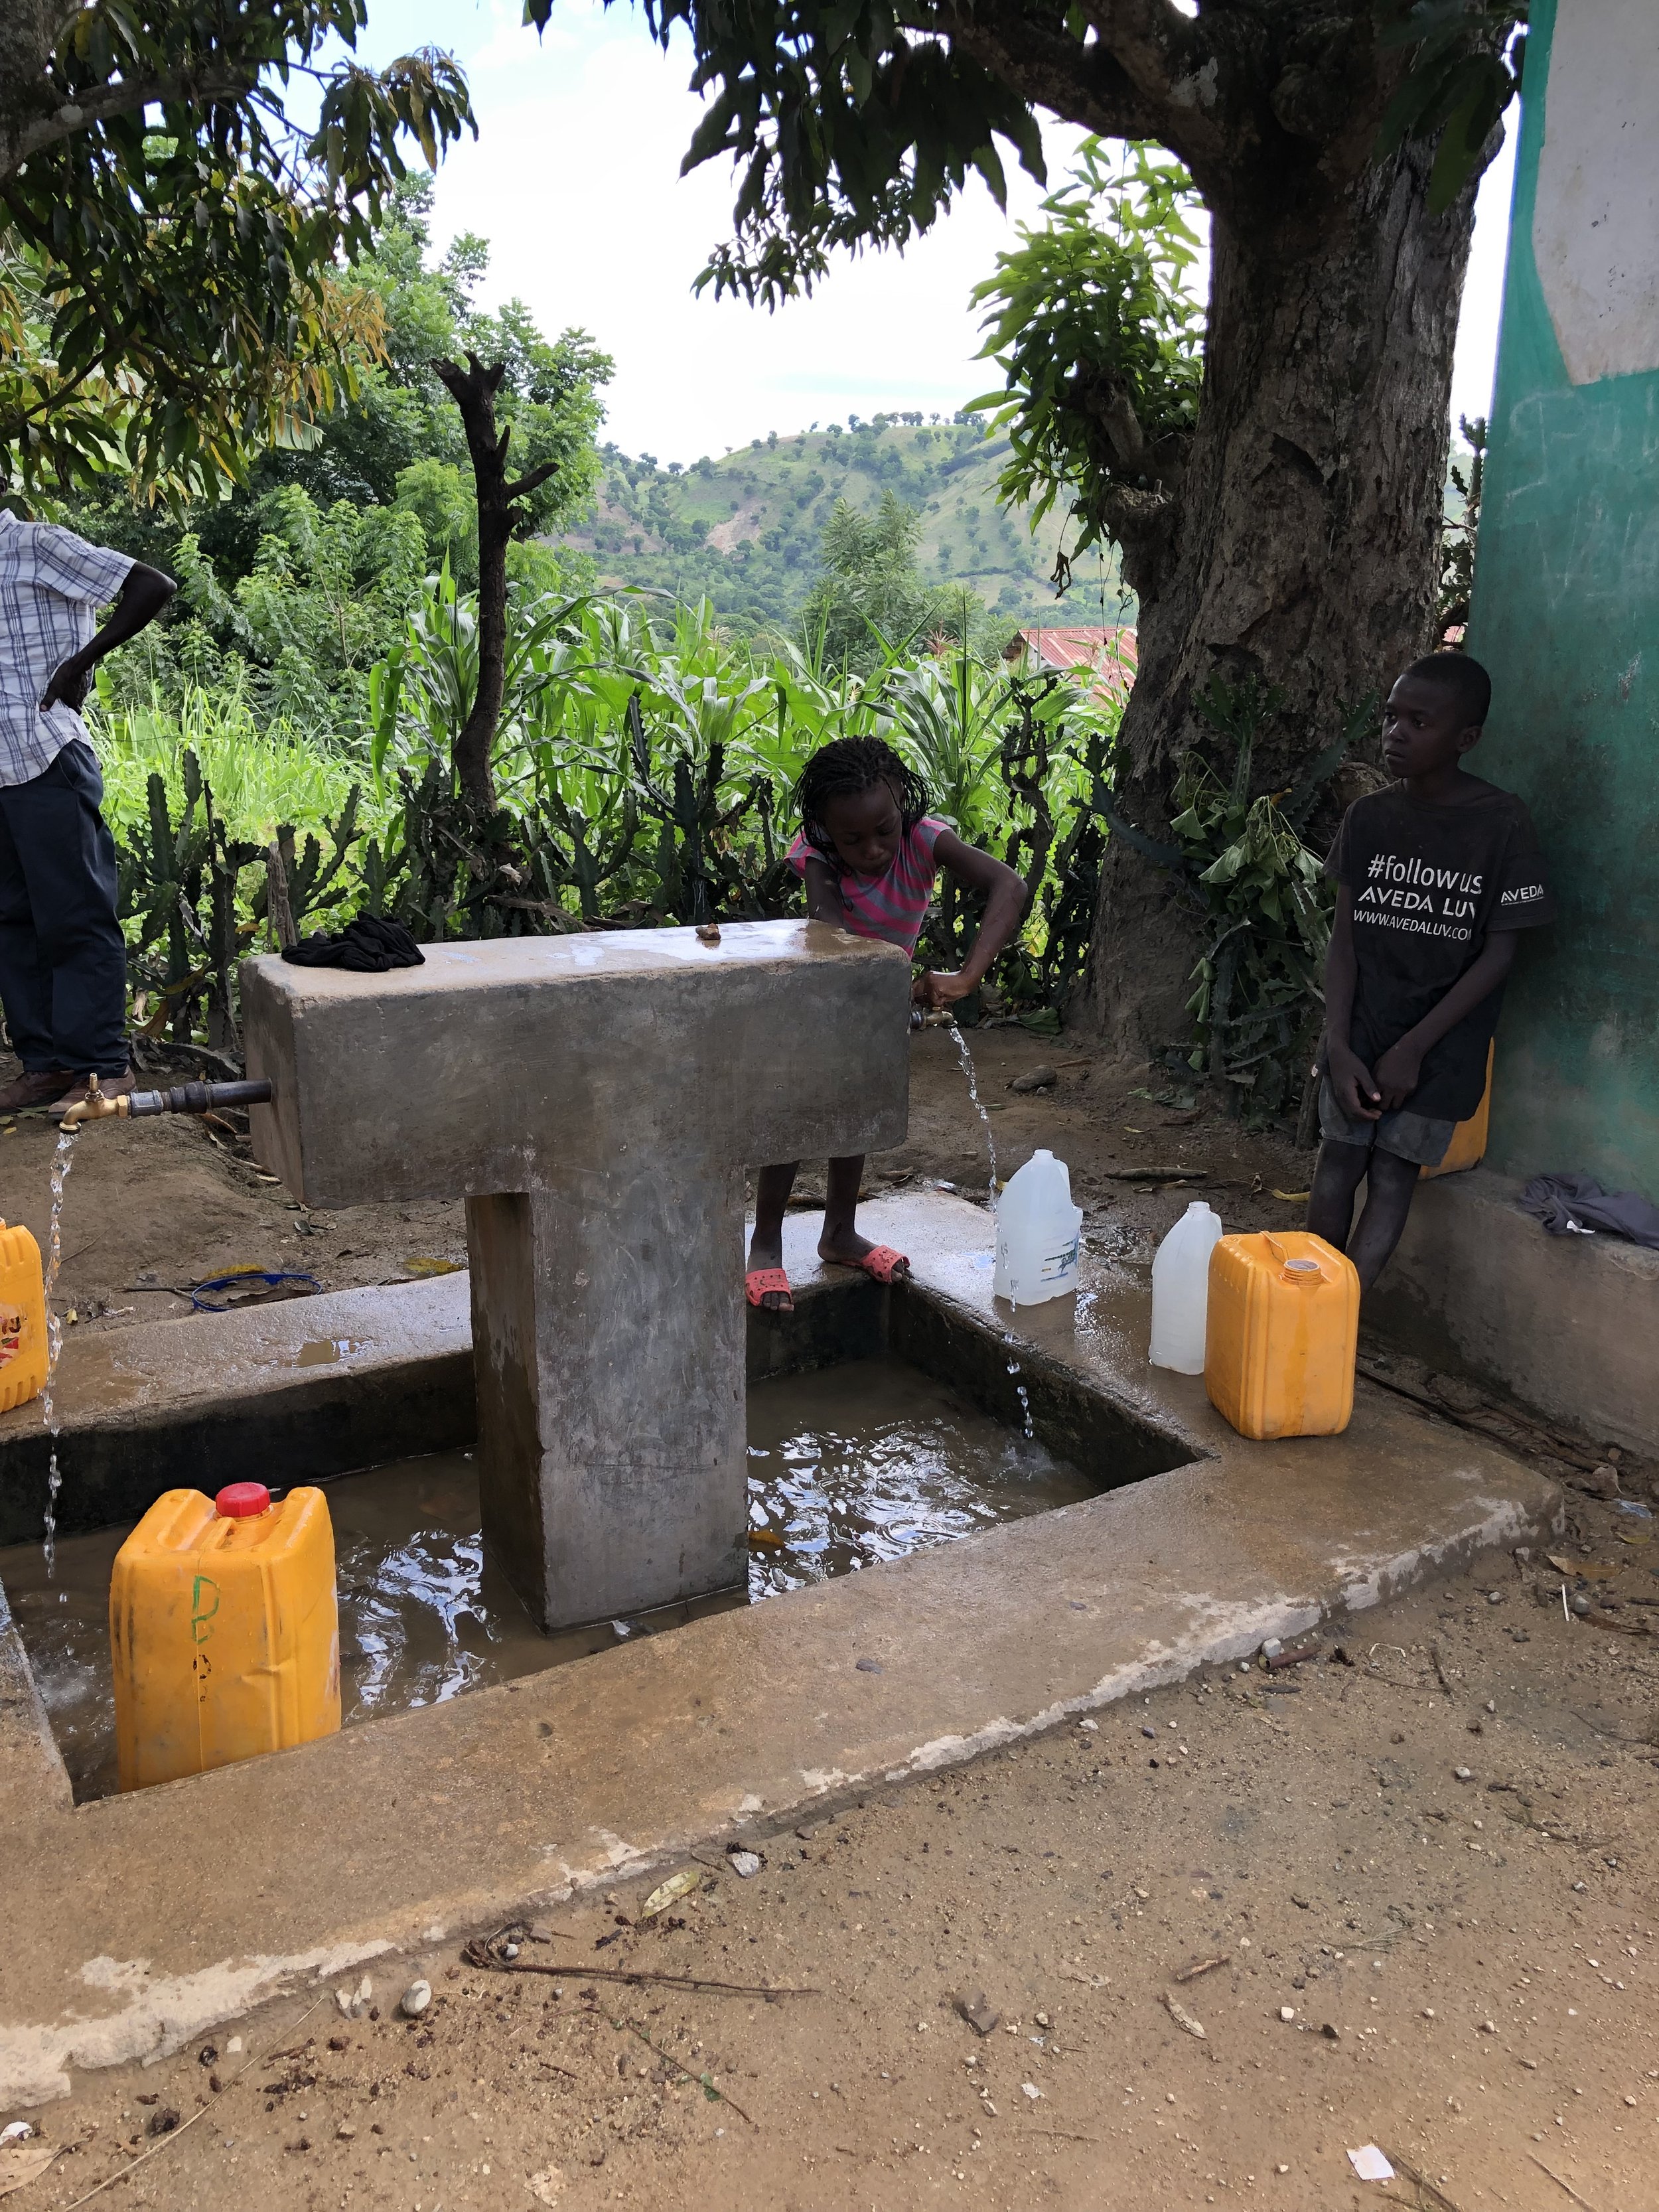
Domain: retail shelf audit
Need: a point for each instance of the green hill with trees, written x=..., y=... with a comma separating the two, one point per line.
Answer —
x=746, y=530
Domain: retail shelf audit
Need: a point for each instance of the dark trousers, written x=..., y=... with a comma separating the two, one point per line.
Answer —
x=63, y=960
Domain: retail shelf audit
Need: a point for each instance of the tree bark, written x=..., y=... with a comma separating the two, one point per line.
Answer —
x=473, y=389
x=1300, y=547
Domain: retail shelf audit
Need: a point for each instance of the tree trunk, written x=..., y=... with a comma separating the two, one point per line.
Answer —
x=473, y=389
x=1300, y=547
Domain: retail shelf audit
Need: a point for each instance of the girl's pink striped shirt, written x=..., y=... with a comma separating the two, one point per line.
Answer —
x=893, y=906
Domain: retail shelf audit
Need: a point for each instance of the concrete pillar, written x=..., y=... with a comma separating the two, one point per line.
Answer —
x=612, y=1461
x=595, y=1099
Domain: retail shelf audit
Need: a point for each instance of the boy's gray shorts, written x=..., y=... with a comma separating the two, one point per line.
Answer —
x=1409, y=1136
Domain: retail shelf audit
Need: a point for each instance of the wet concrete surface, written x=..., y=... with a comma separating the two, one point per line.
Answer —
x=127, y=1941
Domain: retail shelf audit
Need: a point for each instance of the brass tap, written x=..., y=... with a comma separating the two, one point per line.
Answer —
x=95, y=1107
x=183, y=1098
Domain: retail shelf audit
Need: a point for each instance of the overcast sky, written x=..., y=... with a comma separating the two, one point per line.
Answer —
x=575, y=182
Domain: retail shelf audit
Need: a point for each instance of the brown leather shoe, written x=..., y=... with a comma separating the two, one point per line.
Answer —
x=33, y=1087
x=112, y=1086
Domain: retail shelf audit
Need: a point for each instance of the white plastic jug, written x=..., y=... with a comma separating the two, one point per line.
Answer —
x=1180, y=1290
x=1037, y=1227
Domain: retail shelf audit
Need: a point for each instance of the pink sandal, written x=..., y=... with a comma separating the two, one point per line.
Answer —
x=881, y=1261
x=761, y=1282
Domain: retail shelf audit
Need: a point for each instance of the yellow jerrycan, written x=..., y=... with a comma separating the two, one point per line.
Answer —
x=1467, y=1147
x=22, y=1319
x=1283, y=1328
x=224, y=1631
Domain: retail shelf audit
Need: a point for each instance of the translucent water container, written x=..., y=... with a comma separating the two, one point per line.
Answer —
x=224, y=1631
x=1037, y=1232
x=1283, y=1326
x=1181, y=1291
x=22, y=1319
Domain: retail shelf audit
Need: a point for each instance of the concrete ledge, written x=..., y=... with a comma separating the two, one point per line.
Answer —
x=123, y=1938
x=1566, y=1325
x=279, y=1393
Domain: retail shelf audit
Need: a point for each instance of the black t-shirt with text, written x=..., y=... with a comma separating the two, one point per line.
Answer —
x=1429, y=883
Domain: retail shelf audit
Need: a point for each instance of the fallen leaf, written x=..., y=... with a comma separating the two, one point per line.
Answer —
x=765, y=1540
x=1179, y=2014
x=424, y=1264
x=1625, y=1536
x=21, y=2162
x=669, y=1893
x=1295, y=1197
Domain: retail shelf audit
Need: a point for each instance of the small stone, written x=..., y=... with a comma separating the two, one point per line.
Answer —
x=1489, y=2027
x=415, y=2000
x=345, y=2132
x=1093, y=1727
x=1281, y=2169
x=1287, y=2013
x=1492, y=1704
x=509, y=1950
x=743, y=1863
x=1428, y=2012
x=1464, y=1773
x=162, y=2123
x=1630, y=2100
x=869, y=1667
x=1041, y=2019
x=1036, y=1078
x=980, y=2015
x=1581, y=1887
x=1030, y=2089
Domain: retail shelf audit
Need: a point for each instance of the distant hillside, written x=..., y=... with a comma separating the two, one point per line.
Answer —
x=744, y=530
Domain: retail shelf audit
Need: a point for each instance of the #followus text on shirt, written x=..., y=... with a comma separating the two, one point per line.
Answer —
x=1409, y=894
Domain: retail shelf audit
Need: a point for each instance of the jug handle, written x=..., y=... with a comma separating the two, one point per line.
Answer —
x=1301, y=1272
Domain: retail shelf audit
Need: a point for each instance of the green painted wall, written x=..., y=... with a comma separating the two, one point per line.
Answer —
x=1566, y=617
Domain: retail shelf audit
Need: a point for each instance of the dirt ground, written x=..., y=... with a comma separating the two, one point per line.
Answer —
x=1405, y=1890
x=1417, y=1890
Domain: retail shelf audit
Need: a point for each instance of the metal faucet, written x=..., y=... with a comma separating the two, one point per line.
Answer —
x=183, y=1098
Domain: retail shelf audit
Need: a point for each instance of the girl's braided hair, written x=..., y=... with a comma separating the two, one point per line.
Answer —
x=843, y=769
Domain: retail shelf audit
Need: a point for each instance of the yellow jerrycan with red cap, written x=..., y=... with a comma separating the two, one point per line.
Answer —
x=1282, y=1331
x=24, y=1352
x=224, y=1631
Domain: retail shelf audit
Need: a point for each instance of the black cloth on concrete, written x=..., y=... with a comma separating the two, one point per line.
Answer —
x=1430, y=884
x=1566, y=1203
x=369, y=946
x=62, y=958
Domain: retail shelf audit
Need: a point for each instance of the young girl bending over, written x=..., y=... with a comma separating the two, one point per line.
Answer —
x=869, y=851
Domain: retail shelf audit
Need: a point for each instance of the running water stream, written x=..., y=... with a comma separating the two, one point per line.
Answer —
x=62, y=1160
x=968, y=1070
x=972, y=1075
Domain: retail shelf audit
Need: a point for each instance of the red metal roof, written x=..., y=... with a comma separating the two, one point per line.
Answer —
x=1110, y=651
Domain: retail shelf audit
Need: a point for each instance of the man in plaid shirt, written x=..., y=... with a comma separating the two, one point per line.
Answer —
x=63, y=960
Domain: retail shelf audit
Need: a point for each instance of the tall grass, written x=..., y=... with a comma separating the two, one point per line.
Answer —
x=261, y=774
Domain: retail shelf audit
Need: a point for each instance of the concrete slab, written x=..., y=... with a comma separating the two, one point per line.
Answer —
x=1564, y=1324
x=277, y=1394
x=124, y=1938
x=472, y=1074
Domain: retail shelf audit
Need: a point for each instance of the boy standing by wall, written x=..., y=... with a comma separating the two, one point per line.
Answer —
x=63, y=960
x=1435, y=875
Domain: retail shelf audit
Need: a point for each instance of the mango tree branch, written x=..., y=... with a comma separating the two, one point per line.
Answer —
x=125, y=98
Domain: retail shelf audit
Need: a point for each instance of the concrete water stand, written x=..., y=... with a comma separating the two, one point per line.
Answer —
x=135, y=1922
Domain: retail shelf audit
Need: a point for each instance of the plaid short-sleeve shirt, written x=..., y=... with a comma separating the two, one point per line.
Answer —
x=52, y=585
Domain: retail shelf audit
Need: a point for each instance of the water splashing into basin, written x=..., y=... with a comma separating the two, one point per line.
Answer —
x=62, y=1160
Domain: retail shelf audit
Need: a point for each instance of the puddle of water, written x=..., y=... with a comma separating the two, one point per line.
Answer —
x=849, y=1466
x=319, y=1351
